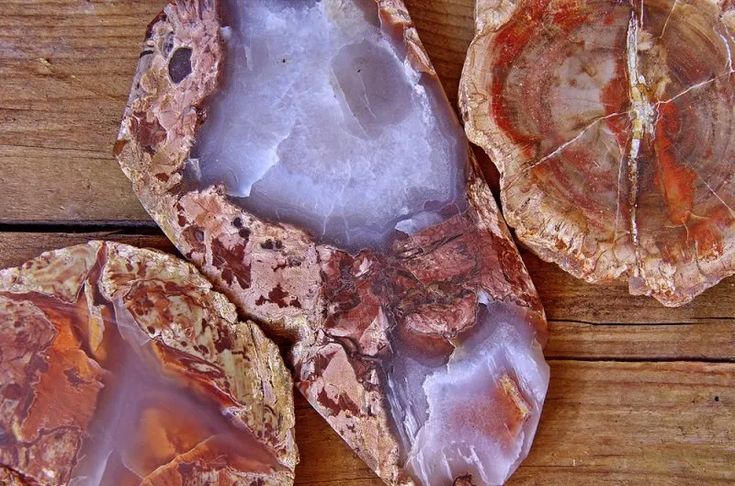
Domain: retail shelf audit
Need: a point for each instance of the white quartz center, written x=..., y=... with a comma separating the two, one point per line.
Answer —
x=321, y=121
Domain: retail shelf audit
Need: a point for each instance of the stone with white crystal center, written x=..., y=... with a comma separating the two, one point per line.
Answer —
x=320, y=122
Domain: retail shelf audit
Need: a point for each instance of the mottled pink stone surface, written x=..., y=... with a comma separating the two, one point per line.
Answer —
x=304, y=156
x=611, y=123
x=121, y=366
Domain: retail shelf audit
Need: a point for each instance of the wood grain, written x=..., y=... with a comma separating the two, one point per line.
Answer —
x=640, y=394
x=66, y=68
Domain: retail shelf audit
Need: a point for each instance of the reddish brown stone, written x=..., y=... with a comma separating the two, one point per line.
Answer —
x=121, y=365
x=417, y=348
x=610, y=124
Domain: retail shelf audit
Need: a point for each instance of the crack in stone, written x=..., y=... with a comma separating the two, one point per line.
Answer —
x=571, y=141
x=699, y=176
x=639, y=108
x=668, y=18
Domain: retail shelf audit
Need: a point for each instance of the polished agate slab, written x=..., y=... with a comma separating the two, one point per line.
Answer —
x=611, y=125
x=339, y=119
x=122, y=366
x=304, y=156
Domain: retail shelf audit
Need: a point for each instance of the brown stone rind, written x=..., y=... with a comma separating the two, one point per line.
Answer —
x=663, y=257
x=54, y=311
x=341, y=311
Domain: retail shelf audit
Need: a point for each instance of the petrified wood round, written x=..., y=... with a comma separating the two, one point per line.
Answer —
x=304, y=156
x=122, y=366
x=611, y=123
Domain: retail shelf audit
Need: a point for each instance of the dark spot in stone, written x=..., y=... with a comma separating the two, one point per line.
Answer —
x=267, y=244
x=343, y=404
x=224, y=342
x=12, y=391
x=295, y=302
x=276, y=296
x=183, y=344
x=148, y=133
x=279, y=244
x=151, y=329
x=717, y=398
x=244, y=233
x=201, y=112
x=289, y=263
x=179, y=67
x=233, y=260
x=199, y=235
x=465, y=480
x=73, y=377
x=147, y=52
x=237, y=222
x=227, y=276
x=283, y=61
x=202, y=349
x=118, y=147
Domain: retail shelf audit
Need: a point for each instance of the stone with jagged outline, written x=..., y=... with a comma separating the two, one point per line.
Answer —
x=123, y=366
x=305, y=157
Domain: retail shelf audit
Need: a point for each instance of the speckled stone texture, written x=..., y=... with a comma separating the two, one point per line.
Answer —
x=253, y=132
x=122, y=366
x=611, y=124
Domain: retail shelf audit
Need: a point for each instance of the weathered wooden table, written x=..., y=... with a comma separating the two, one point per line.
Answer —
x=639, y=394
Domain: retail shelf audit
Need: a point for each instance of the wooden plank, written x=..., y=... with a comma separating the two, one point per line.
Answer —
x=66, y=68
x=635, y=423
x=650, y=339
x=566, y=298
x=43, y=184
x=705, y=340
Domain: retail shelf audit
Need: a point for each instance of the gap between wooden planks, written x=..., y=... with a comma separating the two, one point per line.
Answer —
x=647, y=402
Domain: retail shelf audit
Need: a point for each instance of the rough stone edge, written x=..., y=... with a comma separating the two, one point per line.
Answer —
x=22, y=279
x=155, y=178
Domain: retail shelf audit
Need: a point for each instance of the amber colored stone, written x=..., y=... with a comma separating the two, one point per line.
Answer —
x=122, y=366
x=311, y=166
x=610, y=123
